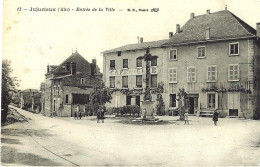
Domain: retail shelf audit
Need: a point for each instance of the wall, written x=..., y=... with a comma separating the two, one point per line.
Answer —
x=217, y=53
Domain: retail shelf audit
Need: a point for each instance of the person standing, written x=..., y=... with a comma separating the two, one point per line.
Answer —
x=215, y=117
x=102, y=115
x=98, y=115
x=80, y=115
x=186, y=118
x=75, y=114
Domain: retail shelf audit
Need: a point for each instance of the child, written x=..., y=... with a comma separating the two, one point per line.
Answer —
x=186, y=118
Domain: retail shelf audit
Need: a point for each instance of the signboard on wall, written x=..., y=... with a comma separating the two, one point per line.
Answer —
x=134, y=71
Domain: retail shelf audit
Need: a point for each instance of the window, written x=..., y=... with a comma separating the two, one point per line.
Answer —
x=125, y=63
x=153, y=80
x=234, y=48
x=212, y=73
x=82, y=80
x=54, y=90
x=139, y=62
x=112, y=64
x=173, y=54
x=139, y=81
x=172, y=75
x=154, y=62
x=125, y=82
x=233, y=72
x=112, y=82
x=211, y=101
x=201, y=52
x=58, y=90
x=67, y=99
x=191, y=74
x=119, y=53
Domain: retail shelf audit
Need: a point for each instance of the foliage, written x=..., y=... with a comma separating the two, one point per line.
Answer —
x=160, y=106
x=100, y=95
x=8, y=85
x=128, y=110
x=183, y=103
x=223, y=114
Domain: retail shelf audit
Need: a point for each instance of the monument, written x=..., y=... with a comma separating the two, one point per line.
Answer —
x=147, y=103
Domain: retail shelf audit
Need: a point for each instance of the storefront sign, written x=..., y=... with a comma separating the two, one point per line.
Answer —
x=135, y=71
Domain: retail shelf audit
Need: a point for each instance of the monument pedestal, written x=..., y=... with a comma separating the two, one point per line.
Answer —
x=147, y=107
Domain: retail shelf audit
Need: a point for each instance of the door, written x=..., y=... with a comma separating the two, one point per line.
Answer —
x=191, y=105
x=233, y=103
x=128, y=100
x=54, y=105
x=137, y=100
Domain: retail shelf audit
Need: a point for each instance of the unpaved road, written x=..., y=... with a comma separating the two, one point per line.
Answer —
x=65, y=142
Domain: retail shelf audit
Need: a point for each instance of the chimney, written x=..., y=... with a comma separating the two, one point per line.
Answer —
x=138, y=40
x=170, y=35
x=94, y=61
x=48, y=68
x=258, y=29
x=207, y=33
x=178, y=28
x=208, y=11
x=141, y=39
x=192, y=15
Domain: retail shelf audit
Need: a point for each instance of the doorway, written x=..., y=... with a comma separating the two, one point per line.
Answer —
x=137, y=100
x=191, y=99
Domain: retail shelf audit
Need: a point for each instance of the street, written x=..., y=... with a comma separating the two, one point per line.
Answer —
x=45, y=141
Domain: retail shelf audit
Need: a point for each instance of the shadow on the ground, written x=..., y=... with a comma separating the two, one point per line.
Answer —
x=22, y=132
x=10, y=155
x=10, y=141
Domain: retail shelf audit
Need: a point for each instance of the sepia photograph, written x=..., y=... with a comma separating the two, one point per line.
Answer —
x=130, y=83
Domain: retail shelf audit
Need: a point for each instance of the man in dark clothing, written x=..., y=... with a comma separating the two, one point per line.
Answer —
x=98, y=115
x=102, y=115
x=215, y=117
x=75, y=115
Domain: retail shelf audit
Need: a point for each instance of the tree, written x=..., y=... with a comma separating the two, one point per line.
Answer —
x=8, y=85
x=100, y=95
x=160, y=106
x=183, y=104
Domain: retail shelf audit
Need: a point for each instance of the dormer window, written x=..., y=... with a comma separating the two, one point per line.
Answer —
x=234, y=48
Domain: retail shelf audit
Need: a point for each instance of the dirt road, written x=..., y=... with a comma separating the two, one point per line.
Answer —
x=65, y=141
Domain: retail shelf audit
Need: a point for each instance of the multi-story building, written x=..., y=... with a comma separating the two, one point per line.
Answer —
x=69, y=85
x=214, y=57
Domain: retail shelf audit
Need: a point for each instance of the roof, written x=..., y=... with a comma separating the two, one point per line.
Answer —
x=29, y=90
x=82, y=65
x=137, y=46
x=223, y=25
x=78, y=90
x=37, y=94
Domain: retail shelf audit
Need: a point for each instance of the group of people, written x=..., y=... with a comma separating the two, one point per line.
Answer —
x=78, y=114
x=215, y=118
x=100, y=115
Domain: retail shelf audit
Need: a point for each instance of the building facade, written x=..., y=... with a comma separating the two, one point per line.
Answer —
x=69, y=85
x=214, y=57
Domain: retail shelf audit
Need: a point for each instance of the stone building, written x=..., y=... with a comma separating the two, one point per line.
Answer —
x=69, y=85
x=26, y=98
x=214, y=57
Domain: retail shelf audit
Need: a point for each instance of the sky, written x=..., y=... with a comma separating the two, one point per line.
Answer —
x=32, y=40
